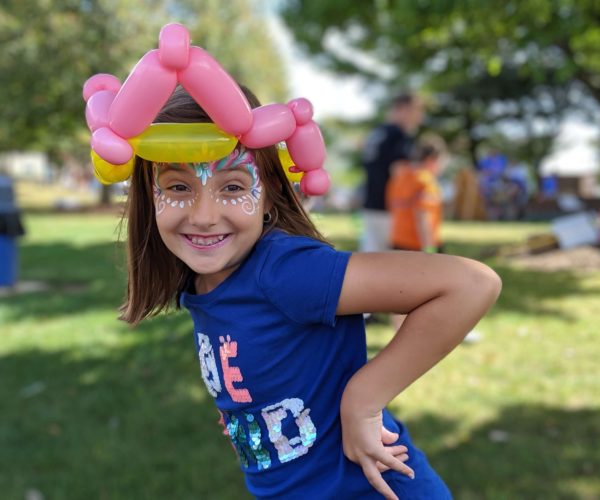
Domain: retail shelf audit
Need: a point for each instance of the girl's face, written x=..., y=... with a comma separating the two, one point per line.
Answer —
x=210, y=215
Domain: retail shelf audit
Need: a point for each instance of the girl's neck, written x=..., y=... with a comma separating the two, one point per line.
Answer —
x=205, y=284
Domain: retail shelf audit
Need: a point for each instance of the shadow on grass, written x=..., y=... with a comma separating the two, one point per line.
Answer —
x=114, y=423
x=524, y=290
x=93, y=277
x=528, y=451
x=135, y=422
x=79, y=279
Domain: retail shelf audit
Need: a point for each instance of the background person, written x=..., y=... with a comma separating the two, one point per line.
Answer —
x=389, y=142
x=414, y=198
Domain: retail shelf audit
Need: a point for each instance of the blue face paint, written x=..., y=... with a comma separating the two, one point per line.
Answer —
x=237, y=158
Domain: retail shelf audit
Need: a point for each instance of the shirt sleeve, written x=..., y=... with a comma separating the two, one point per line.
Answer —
x=303, y=278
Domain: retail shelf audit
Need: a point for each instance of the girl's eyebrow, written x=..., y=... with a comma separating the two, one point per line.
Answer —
x=236, y=168
x=177, y=167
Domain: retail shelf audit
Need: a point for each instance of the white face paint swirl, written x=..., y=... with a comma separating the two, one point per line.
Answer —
x=249, y=203
x=159, y=198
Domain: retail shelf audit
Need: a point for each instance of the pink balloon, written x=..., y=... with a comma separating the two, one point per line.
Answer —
x=306, y=147
x=96, y=111
x=174, y=46
x=115, y=113
x=302, y=109
x=101, y=81
x=315, y=182
x=272, y=123
x=216, y=92
x=142, y=96
x=111, y=147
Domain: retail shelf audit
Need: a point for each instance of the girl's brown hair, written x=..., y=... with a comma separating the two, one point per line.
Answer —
x=156, y=277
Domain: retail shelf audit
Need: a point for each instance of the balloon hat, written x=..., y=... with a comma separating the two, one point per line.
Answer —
x=120, y=117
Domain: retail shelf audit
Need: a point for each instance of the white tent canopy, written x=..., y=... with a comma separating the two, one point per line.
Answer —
x=575, y=152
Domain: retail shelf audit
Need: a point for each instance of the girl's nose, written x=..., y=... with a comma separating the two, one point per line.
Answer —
x=204, y=212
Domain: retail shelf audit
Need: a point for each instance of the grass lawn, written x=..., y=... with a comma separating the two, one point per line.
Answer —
x=94, y=409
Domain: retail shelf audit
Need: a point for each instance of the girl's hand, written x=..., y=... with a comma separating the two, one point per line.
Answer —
x=363, y=442
x=399, y=451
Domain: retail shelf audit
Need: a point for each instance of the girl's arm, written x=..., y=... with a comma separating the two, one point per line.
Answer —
x=443, y=297
x=424, y=228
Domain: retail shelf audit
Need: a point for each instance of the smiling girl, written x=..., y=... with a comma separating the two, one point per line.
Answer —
x=278, y=325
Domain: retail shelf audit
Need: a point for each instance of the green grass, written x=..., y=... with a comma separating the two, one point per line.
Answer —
x=93, y=409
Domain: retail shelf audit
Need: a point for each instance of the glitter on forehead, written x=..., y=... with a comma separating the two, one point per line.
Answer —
x=237, y=158
x=203, y=171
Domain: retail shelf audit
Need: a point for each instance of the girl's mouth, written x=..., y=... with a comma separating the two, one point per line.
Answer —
x=205, y=242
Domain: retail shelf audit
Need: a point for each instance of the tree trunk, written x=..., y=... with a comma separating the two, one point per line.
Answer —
x=473, y=143
x=105, y=195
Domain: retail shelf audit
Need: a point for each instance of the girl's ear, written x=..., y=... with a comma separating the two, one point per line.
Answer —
x=268, y=205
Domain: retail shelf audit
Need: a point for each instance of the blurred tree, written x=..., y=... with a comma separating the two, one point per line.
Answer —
x=48, y=48
x=520, y=62
x=236, y=35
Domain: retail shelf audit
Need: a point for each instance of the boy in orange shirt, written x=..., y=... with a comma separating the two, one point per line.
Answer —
x=414, y=199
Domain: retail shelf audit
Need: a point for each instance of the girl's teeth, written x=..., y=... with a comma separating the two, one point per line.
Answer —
x=207, y=241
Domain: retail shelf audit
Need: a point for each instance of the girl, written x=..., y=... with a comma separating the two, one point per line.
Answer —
x=277, y=311
x=278, y=322
x=414, y=198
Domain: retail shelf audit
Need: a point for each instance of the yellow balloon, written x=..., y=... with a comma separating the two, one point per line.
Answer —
x=183, y=143
x=107, y=173
x=180, y=143
x=286, y=163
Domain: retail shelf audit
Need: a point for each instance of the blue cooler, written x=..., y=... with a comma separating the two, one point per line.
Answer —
x=10, y=229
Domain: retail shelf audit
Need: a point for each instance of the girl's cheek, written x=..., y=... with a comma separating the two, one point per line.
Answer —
x=247, y=203
x=163, y=203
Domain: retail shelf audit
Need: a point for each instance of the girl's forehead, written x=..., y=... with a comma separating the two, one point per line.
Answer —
x=238, y=159
x=163, y=167
x=195, y=168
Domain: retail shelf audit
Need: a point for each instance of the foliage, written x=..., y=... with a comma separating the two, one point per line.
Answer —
x=490, y=64
x=94, y=409
x=236, y=35
x=49, y=48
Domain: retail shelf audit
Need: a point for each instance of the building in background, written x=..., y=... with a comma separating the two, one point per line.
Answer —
x=26, y=165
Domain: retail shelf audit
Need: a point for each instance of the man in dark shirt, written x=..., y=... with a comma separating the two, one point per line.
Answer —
x=388, y=143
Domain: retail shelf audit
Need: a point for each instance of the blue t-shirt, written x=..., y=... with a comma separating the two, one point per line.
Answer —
x=276, y=358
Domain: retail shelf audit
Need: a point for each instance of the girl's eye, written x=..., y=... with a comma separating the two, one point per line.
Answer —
x=233, y=188
x=179, y=188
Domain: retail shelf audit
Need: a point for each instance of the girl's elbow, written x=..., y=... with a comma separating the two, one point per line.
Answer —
x=488, y=284
x=475, y=282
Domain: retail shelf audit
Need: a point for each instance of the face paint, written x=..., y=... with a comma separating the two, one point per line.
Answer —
x=238, y=159
x=244, y=158
x=203, y=171
x=159, y=198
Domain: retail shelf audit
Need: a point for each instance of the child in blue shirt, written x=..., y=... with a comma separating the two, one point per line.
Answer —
x=277, y=313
